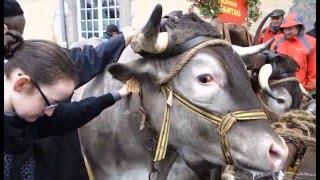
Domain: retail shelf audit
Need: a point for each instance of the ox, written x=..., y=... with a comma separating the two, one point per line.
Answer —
x=284, y=83
x=275, y=83
x=201, y=95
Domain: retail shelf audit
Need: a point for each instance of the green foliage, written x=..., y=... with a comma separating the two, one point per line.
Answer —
x=212, y=8
x=253, y=11
x=208, y=8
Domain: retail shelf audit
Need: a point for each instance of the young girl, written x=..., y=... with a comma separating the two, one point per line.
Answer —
x=37, y=75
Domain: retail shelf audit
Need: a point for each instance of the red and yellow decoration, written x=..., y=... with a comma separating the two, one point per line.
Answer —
x=242, y=12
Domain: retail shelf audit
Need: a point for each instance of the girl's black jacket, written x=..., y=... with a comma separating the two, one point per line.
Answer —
x=58, y=157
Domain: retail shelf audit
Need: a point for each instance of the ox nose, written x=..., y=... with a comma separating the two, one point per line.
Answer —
x=277, y=155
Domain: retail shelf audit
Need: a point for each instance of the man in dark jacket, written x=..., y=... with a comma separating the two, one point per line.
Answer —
x=312, y=32
x=273, y=29
x=111, y=31
x=90, y=61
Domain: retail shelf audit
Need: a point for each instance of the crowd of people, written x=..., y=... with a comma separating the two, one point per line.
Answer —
x=292, y=40
x=40, y=122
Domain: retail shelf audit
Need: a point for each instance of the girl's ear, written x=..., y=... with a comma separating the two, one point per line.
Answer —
x=21, y=82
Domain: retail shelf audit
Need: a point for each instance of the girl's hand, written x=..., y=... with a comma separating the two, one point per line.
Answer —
x=124, y=91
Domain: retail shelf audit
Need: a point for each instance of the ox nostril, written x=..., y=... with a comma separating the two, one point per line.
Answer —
x=273, y=153
x=277, y=155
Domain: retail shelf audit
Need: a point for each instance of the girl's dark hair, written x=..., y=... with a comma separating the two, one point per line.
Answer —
x=44, y=61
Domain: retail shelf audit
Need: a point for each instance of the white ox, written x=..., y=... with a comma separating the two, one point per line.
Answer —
x=213, y=79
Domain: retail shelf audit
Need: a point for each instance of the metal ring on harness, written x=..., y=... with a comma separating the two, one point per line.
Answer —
x=154, y=171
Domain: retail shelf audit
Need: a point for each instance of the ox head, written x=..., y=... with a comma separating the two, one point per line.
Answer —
x=212, y=77
x=276, y=79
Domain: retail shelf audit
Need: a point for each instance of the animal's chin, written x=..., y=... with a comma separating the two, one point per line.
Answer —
x=254, y=171
x=251, y=169
x=202, y=169
x=255, y=167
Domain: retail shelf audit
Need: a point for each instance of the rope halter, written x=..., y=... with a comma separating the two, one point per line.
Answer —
x=225, y=122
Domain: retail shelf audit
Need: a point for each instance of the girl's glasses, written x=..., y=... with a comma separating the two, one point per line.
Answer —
x=49, y=105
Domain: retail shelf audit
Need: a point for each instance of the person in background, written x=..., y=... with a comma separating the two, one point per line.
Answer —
x=111, y=31
x=273, y=29
x=13, y=16
x=313, y=32
x=300, y=46
x=89, y=62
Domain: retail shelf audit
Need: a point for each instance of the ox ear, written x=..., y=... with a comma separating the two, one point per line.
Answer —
x=139, y=70
x=258, y=61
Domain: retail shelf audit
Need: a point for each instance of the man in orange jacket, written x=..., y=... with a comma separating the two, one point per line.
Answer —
x=300, y=46
x=267, y=33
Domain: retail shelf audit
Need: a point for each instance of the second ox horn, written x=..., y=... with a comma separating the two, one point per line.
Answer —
x=246, y=51
x=150, y=39
x=263, y=78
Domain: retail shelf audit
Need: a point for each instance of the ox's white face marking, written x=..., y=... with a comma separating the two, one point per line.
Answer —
x=203, y=81
x=281, y=108
x=207, y=76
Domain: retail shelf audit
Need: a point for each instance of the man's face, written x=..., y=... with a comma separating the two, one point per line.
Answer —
x=115, y=34
x=289, y=32
x=276, y=21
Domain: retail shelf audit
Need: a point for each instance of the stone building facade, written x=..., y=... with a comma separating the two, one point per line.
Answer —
x=87, y=18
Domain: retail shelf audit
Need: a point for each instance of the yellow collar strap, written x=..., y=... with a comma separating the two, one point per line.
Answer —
x=224, y=122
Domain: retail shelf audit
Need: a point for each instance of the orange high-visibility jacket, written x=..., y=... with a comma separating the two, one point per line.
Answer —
x=266, y=34
x=302, y=48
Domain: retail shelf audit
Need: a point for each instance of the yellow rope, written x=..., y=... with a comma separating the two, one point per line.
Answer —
x=300, y=119
x=90, y=174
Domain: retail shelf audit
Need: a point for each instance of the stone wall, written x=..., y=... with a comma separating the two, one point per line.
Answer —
x=306, y=9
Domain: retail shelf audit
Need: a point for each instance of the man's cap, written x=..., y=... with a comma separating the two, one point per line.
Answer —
x=277, y=13
x=113, y=28
x=292, y=20
x=12, y=8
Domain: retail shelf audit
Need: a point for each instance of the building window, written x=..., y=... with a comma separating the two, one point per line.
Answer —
x=95, y=15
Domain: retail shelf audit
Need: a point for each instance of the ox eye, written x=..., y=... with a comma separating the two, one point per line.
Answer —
x=205, y=78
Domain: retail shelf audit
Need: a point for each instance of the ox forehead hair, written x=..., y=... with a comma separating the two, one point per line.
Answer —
x=189, y=26
x=287, y=63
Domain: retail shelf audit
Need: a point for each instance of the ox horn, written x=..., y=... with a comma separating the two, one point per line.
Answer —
x=263, y=78
x=245, y=51
x=304, y=92
x=149, y=38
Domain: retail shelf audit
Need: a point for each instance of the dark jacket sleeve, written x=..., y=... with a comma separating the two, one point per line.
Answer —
x=91, y=61
x=70, y=116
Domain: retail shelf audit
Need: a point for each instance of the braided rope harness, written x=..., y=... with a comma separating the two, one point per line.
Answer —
x=225, y=122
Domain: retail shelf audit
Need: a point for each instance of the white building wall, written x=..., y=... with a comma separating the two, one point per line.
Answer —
x=42, y=16
x=39, y=16
x=141, y=9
